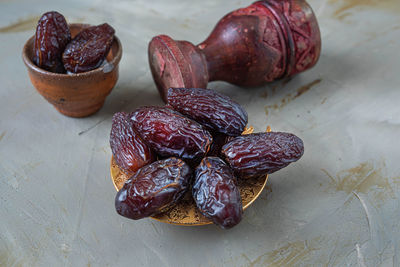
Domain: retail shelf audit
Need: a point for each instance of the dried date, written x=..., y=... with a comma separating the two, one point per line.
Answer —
x=219, y=140
x=129, y=150
x=88, y=49
x=153, y=189
x=216, y=194
x=169, y=133
x=215, y=111
x=51, y=37
x=262, y=153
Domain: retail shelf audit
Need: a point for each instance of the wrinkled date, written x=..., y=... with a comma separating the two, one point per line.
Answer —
x=215, y=111
x=52, y=35
x=129, y=150
x=153, y=189
x=262, y=153
x=169, y=133
x=88, y=49
x=216, y=194
x=219, y=140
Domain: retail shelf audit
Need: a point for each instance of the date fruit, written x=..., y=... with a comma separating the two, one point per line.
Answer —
x=52, y=35
x=88, y=49
x=262, y=153
x=215, y=111
x=219, y=140
x=129, y=150
x=153, y=189
x=169, y=133
x=216, y=194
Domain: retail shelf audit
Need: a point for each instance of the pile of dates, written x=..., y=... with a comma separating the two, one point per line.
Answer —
x=193, y=143
x=55, y=51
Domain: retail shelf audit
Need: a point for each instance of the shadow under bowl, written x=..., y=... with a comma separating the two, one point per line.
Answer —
x=75, y=95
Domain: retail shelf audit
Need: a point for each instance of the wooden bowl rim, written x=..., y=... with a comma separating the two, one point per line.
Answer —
x=32, y=66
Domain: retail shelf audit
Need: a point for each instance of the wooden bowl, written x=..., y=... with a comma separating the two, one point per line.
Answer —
x=185, y=212
x=75, y=95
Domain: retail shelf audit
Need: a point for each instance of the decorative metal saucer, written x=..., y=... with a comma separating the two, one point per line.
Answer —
x=185, y=212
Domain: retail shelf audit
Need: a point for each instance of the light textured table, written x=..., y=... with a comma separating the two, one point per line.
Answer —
x=338, y=206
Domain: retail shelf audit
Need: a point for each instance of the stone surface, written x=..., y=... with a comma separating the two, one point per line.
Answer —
x=338, y=205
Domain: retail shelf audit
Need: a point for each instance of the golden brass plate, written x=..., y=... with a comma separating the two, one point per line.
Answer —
x=186, y=212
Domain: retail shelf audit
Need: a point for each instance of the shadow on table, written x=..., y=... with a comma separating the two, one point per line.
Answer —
x=127, y=98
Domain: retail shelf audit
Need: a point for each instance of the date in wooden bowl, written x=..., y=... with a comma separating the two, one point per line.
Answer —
x=185, y=212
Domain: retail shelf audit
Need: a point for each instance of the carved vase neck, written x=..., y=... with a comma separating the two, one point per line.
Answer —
x=251, y=46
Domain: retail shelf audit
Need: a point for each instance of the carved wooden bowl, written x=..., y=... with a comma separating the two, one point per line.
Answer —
x=185, y=212
x=79, y=94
